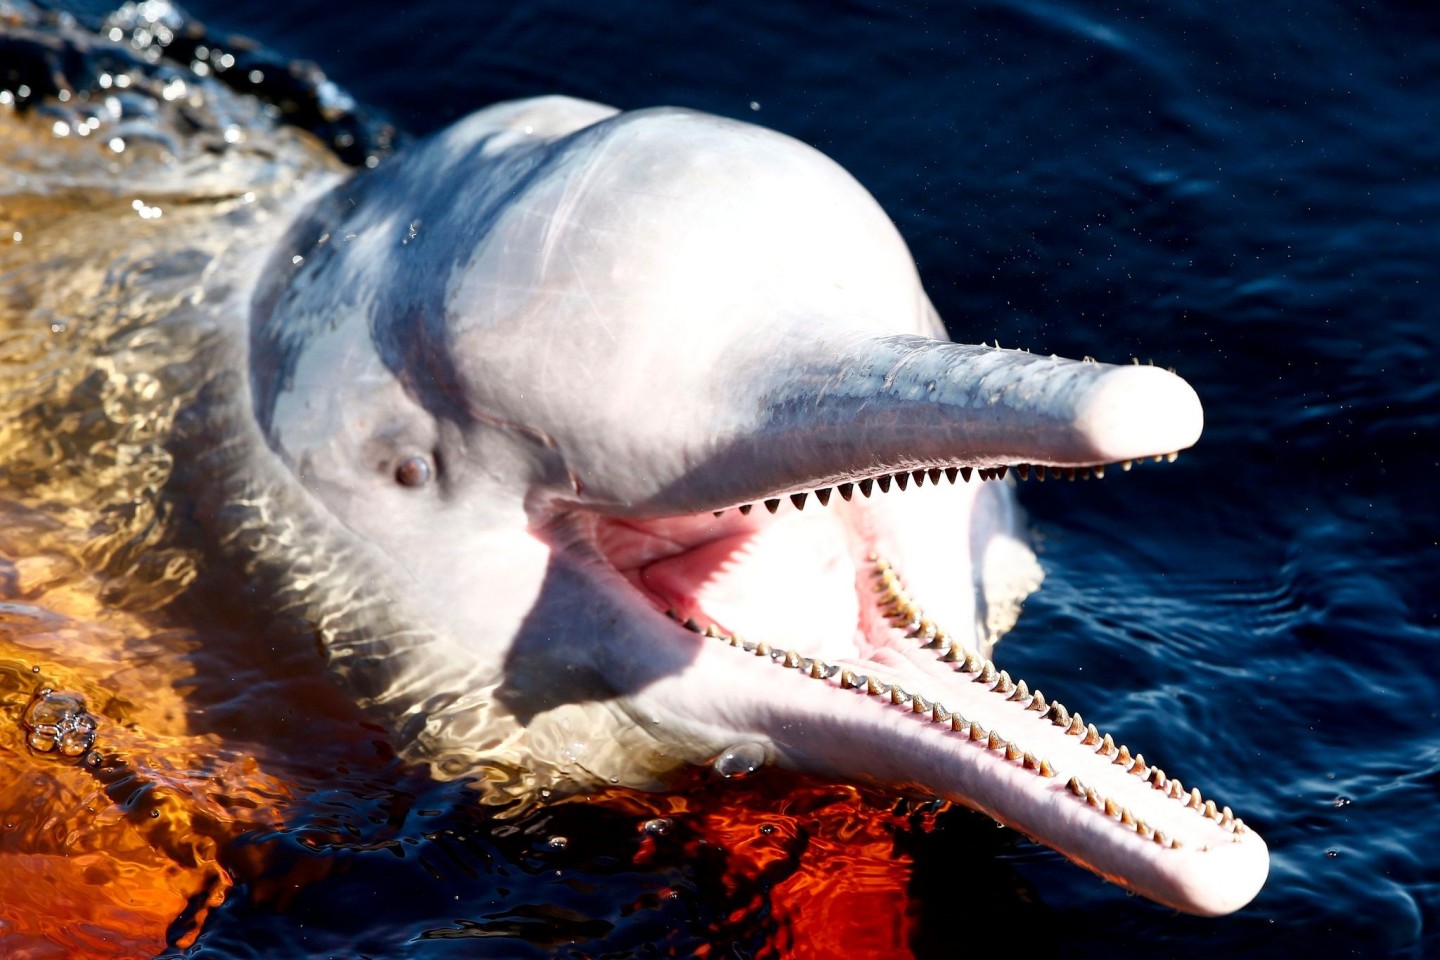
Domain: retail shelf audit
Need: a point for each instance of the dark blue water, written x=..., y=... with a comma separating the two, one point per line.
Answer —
x=1246, y=192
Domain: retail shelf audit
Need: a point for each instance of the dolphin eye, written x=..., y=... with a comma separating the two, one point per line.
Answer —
x=413, y=471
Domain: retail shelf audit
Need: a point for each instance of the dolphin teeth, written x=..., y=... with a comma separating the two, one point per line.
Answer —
x=972, y=664
x=1022, y=470
x=951, y=473
x=1074, y=728
x=692, y=625
x=1160, y=838
x=1013, y=752
x=1126, y=465
x=1126, y=817
x=1031, y=762
x=1174, y=844
x=772, y=504
x=1156, y=776
x=1021, y=692
x=995, y=742
x=965, y=472
x=1176, y=789
x=799, y=500
x=1000, y=472
x=1037, y=703
x=1099, y=471
x=746, y=508
x=1056, y=473
x=762, y=649
x=938, y=714
x=719, y=512
x=791, y=659
x=1171, y=457
x=1195, y=800
x=1122, y=756
x=823, y=495
x=902, y=480
x=712, y=631
x=1093, y=798
x=846, y=491
x=875, y=688
x=1107, y=747
x=898, y=696
x=987, y=673
x=847, y=679
x=1045, y=770
x=918, y=476
x=958, y=723
x=1140, y=769
x=884, y=483
x=865, y=487
x=1112, y=809
x=1075, y=787
x=1092, y=736
x=1004, y=683
x=1142, y=828
x=1069, y=473
x=919, y=704
x=818, y=669
x=977, y=732
x=1210, y=810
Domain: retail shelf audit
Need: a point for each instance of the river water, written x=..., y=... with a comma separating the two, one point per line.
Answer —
x=1245, y=192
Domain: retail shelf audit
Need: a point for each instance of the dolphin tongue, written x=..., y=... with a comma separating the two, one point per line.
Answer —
x=849, y=407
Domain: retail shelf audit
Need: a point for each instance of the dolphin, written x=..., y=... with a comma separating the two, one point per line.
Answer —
x=598, y=444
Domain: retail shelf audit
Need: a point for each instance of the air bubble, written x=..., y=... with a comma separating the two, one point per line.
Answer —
x=739, y=761
x=657, y=827
x=57, y=719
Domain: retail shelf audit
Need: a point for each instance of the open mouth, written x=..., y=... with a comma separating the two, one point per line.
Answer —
x=865, y=594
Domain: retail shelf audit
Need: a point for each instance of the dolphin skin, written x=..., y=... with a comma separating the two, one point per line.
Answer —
x=629, y=440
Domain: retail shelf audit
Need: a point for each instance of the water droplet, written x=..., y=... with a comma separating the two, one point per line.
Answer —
x=657, y=827
x=1342, y=801
x=558, y=843
x=741, y=760
x=1332, y=854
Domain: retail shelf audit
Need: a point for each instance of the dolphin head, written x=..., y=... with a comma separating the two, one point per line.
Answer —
x=648, y=428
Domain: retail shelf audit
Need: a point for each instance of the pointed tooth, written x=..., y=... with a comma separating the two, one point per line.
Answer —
x=1076, y=787
x=1074, y=728
x=1099, y=471
x=719, y=513
x=959, y=724
x=898, y=696
x=1093, y=798
x=902, y=480
x=996, y=741
x=1056, y=473
x=1176, y=789
x=935, y=474
x=791, y=659
x=1122, y=756
x=1175, y=843
x=1045, y=769
x=1171, y=457
x=847, y=679
x=1031, y=762
x=823, y=495
x=762, y=649
x=1140, y=768
x=938, y=714
x=1013, y=752
x=1069, y=473
x=1112, y=809
x=1107, y=746
x=866, y=486
x=1037, y=703
x=973, y=663
x=1143, y=828
x=1000, y=472
x=846, y=491
x=745, y=509
x=799, y=500
x=1126, y=465
x=966, y=472
x=1023, y=471
x=772, y=504
x=919, y=704
x=927, y=632
x=1156, y=776
x=1126, y=817
x=1161, y=839
x=1003, y=684
x=875, y=688
x=1020, y=693
x=987, y=674
x=1092, y=736
x=918, y=476
x=977, y=732
x=1040, y=474
x=712, y=631
x=883, y=483
x=1210, y=810
x=692, y=625
x=1195, y=800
